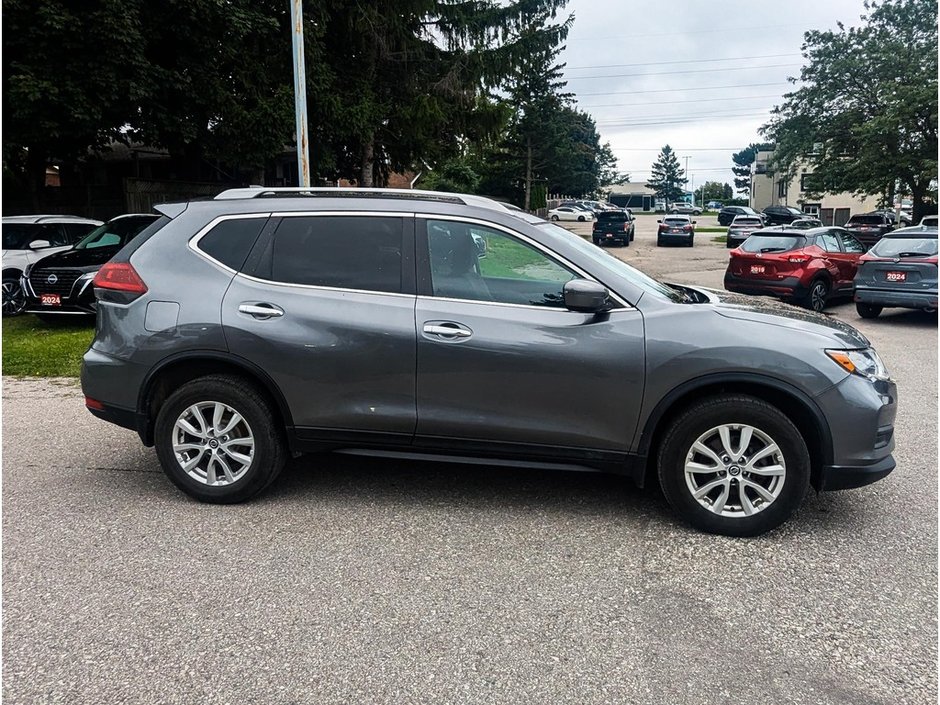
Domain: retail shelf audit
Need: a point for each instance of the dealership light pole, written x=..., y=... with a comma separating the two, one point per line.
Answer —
x=687, y=176
x=300, y=92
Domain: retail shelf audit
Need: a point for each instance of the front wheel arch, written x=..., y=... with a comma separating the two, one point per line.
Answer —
x=797, y=405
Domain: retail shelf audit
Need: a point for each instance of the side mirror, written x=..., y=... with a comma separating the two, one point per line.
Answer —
x=694, y=222
x=39, y=244
x=586, y=296
x=659, y=221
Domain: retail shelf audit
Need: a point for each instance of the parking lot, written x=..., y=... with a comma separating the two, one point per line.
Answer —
x=373, y=581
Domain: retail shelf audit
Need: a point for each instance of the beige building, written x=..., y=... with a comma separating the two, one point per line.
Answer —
x=770, y=189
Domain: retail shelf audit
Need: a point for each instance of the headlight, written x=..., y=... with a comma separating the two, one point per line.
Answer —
x=865, y=363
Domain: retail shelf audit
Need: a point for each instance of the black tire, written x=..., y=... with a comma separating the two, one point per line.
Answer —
x=270, y=449
x=708, y=414
x=596, y=242
x=555, y=218
x=817, y=296
x=580, y=218
x=14, y=298
x=691, y=242
x=659, y=242
x=868, y=310
x=632, y=234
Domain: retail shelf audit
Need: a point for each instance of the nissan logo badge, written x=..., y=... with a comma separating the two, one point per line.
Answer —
x=52, y=279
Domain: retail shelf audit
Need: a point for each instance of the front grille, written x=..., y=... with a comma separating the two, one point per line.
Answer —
x=64, y=279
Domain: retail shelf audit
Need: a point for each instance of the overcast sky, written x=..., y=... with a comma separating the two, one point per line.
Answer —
x=701, y=77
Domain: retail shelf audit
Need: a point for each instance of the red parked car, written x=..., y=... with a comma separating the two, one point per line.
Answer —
x=809, y=267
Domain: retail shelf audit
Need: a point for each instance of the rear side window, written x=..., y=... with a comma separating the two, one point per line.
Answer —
x=230, y=241
x=772, y=243
x=347, y=252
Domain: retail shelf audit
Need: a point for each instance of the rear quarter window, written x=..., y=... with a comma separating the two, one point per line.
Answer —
x=230, y=241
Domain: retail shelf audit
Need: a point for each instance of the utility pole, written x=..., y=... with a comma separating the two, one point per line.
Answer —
x=687, y=176
x=300, y=92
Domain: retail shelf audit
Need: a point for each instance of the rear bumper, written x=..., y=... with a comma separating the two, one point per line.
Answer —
x=896, y=299
x=847, y=477
x=787, y=287
x=675, y=237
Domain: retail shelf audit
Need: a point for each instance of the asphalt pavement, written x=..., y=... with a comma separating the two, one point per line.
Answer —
x=370, y=581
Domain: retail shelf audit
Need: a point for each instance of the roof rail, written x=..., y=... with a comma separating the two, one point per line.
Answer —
x=336, y=192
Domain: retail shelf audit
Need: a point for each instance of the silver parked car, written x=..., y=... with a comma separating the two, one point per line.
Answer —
x=268, y=322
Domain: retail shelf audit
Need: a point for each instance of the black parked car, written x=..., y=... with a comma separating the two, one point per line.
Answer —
x=783, y=215
x=727, y=214
x=900, y=271
x=869, y=228
x=61, y=283
x=614, y=227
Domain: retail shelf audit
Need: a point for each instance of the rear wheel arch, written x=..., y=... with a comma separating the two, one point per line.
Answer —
x=172, y=373
x=799, y=407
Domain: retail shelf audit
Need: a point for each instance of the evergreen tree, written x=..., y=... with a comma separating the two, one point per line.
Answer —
x=668, y=177
x=742, y=167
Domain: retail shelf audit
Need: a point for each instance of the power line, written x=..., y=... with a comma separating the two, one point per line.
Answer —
x=709, y=113
x=676, y=73
x=684, y=32
x=676, y=102
x=670, y=90
x=676, y=149
x=656, y=123
x=687, y=61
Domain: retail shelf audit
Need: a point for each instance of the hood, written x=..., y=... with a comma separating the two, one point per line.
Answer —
x=764, y=309
x=90, y=257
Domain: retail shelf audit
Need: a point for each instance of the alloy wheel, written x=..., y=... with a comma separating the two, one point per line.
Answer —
x=14, y=298
x=735, y=470
x=213, y=443
x=817, y=295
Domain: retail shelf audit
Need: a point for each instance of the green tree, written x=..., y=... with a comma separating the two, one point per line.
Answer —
x=668, y=177
x=742, y=165
x=713, y=191
x=865, y=117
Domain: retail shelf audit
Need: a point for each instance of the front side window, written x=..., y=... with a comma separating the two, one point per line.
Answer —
x=474, y=262
x=347, y=252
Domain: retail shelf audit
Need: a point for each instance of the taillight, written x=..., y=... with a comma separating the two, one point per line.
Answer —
x=687, y=228
x=119, y=276
x=797, y=259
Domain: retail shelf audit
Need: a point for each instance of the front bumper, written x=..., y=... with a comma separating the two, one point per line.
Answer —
x=896, y=299
x=847, y=477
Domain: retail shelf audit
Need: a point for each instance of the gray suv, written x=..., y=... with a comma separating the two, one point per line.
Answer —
x=236, y=332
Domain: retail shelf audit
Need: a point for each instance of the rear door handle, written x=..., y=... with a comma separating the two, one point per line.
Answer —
x=447, y=330
x=261, y=311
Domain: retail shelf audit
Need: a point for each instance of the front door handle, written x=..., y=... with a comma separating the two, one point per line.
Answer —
x=447, y=330
x=261, y=311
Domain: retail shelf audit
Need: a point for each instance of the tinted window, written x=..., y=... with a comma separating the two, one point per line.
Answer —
x=76, y=231
x=905, y=247
x=828, y=241
x=676, y=221
x=742, y=220
x=115, y=233
x=481, y=264
x=773, y=243
x=849, y=243
x=349, y=252
x=866, y=220
x=17, y=236
x=230, y=241
x=613, y=216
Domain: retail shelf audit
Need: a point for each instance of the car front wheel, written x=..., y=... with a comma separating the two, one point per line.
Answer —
x=733, y=465
x=580, y=218
x=217, y=440
x=14, y=298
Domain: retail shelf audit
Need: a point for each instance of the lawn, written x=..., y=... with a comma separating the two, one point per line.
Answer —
x=33, y=348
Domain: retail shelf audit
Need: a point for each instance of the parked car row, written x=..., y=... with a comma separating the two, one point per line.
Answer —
x=814, y=266
x=49, y=261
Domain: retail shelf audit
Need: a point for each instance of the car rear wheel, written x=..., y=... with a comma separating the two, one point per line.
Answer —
x=691, y=242
x=868, y=310
x=817, y=295
x=555, y=218
x=14, y=298
x=733, y=465
x=217, y=440
x=659, y=242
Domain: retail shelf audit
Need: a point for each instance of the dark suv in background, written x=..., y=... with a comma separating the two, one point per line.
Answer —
x=614, y=227
x=728, y=214
x=782, y=215
x=869, y=228
x=235, y=332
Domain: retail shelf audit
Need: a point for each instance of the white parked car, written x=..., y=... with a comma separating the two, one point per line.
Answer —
x=929, y=221
x=570, y=213
x=28, y=238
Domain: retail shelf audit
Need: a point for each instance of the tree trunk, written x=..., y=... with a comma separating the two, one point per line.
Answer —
x=528, y=174
x=368, y=163
x=918, y=208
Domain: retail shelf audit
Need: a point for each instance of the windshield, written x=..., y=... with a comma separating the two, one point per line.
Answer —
x=905, y=247
x=930, y=221
x=17, y=236
x=618, y=266
x=117, y=233
x=866, y=220
x=773, y=243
